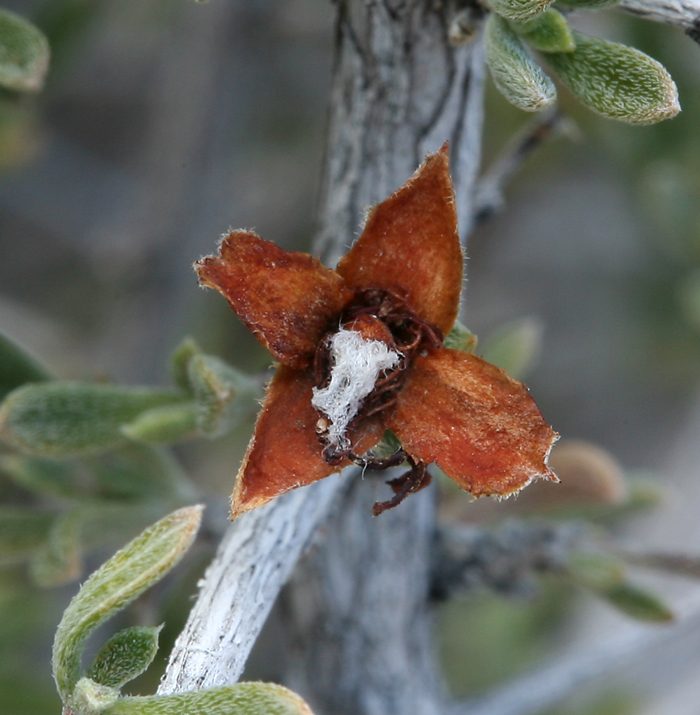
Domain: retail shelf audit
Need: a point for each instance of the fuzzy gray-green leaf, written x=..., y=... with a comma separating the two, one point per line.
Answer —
x=24, y=54
x=519, y=10
x=18, y=367
x=519, y=79
x=596, y=571
x=240, y=699
x=139, y=565
x=68, y=419
x=59, y=560
x=516, y=346
x=138, y=473
x=22, y=532
x=47, y=477
x=125, y=656
x=223, y=395
x=180, y=360
x=163, y=425
x=638, y=603
x=548, y=32
x=617, y=81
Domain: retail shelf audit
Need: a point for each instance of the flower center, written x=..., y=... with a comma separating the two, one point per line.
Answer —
x=360, y=367
x=357, y=363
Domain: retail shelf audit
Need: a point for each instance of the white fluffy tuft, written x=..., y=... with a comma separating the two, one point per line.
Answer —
x=357, y=363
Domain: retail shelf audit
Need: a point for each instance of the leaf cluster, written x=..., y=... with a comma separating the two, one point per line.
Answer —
x=612, y=79
x=140, y=564
x=93, y=454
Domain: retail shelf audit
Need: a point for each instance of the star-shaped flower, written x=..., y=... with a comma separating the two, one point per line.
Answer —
x=361, y=350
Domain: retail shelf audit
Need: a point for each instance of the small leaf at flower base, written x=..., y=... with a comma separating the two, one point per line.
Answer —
x=125, y=656
x=24, y=54
x=180, y=360
x=519, y=10
x=548, y=32
x=239, y=699
x=69, y=419
x=140, y=564
x=22, y=532
x=59, y=560
x=638, y=603
x=47, y=477
x=18, y=367
x=388, y=446
x=519, y=79
x=223, y=395
x=515, y=347
x=163, y=425
x=617, y=81
x=461, y=338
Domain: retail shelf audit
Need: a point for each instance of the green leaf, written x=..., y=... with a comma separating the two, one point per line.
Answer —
x=46, y=477
x=388, y=446
x=137, y=472
x=638, y=603
x=617, y=81
x=515, y=74
x=180, y=361
x=22, y=532
x=548, y=32
x=164, y=425
x=519, y=10
x=516, y=346
x=125, y=656
x=596, y=571
x=461, y=338
x=240, y=699
x=59, y=560
x=17, y=367
x=224, y=396
x=24, y=54
x=67, y=419
x=140, y=564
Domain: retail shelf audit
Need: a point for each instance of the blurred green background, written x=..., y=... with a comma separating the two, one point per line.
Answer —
x=164, y=123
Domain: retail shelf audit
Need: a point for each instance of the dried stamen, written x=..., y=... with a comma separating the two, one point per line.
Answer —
x=415, y=479
x=350, y=388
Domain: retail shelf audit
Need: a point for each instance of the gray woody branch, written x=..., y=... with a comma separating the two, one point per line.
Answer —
x=682, y=13
x=359, y=601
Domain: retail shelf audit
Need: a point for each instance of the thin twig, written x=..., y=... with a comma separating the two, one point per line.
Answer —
x=488, y=198
x=551, y=684
x=682, y=13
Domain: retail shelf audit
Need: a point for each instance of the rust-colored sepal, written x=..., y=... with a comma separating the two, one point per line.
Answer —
x=288, y=299
x=284, y=452
x=410, y=245
x=478, y=425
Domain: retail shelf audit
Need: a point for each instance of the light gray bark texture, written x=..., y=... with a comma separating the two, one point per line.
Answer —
x=683, y=13
x=357, y=609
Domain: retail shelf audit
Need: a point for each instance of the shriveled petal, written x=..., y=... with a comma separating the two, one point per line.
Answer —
x=288, y=299
x=284, y=452
x=410, y=245
x=479, y=425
